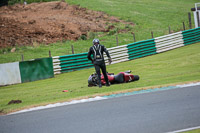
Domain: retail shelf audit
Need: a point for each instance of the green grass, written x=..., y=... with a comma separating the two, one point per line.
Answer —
x=172, y=67
x=147, y=15
x=193, y=131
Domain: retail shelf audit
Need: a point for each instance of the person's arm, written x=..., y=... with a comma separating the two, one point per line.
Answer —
x=107, y=53
x=89, y=55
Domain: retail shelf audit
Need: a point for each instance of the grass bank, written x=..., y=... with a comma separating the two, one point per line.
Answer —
x=172, y=67
x=192, y=131
x=147, y=15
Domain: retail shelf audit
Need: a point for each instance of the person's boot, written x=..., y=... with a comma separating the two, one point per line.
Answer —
x=99, y=81
x=100, y=85
x=108, y=84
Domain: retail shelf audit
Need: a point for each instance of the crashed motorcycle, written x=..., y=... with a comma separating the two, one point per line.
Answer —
x=122, y=77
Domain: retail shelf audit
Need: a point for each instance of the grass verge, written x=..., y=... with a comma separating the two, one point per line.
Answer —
x=172, y=67
x=193, y=131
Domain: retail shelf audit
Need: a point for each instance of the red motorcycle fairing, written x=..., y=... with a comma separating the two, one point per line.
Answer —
x=128, y=77
x=111, y=78
x=122, y=77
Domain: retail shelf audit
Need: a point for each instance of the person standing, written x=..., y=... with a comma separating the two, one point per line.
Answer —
x=98, y=60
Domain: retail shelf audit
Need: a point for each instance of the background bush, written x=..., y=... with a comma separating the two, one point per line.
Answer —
x=12, y=2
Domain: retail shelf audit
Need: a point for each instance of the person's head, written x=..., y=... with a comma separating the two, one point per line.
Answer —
x=95, y=41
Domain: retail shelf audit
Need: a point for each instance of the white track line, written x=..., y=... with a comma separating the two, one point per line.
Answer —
x=184, y=130
x=97, y=98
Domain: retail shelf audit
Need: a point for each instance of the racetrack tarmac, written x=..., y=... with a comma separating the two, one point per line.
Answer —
x=155, y=112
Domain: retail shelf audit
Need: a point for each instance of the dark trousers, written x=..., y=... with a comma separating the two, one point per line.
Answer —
x=101, y=66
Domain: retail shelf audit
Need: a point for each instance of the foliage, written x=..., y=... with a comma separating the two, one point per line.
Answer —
x=12, y=2
x=83, y=37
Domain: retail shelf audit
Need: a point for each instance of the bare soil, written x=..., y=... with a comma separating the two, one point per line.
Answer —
x=50, y=22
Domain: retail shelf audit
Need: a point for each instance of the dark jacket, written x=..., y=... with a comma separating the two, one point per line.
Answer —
x=97, y=52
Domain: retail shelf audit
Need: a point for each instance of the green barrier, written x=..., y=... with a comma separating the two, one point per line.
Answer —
x=191, y=37
x=189, y=34
x=143, y=47
x=142, y=42
x=135, y=50
x=72, y=61
x=73, y=55
x=72, y=58
x=138, y=52
x=63, y=71
x=76, y=64
x=36, y=69
x=67, y=69
x=143, y=55
x=133, y=45
x=191, y=42
x=190, y=30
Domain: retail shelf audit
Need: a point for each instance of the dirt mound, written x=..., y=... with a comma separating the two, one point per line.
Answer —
x=49, y=22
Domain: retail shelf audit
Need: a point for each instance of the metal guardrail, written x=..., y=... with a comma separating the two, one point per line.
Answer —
x=131, y=51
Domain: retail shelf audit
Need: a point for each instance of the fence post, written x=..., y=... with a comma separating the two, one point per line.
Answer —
x=190, y=21
x=63, y=32
x=117, y=40
x=169, y=30
x=49, y=53
x=183, y=26
x=133, y=36
x=152, y=34
x=198, y=19
x=22, y=57
x=72, y=49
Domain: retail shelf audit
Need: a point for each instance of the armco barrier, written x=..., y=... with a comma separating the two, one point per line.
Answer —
x=79, y=61
x=191, y=36
x=168, y=42
x=118, y=54
x=45, y=68
x=70, y=63
x=141, y=49
x=130, y=51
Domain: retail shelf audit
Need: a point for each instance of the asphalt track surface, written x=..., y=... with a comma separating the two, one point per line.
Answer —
x=155, y=112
